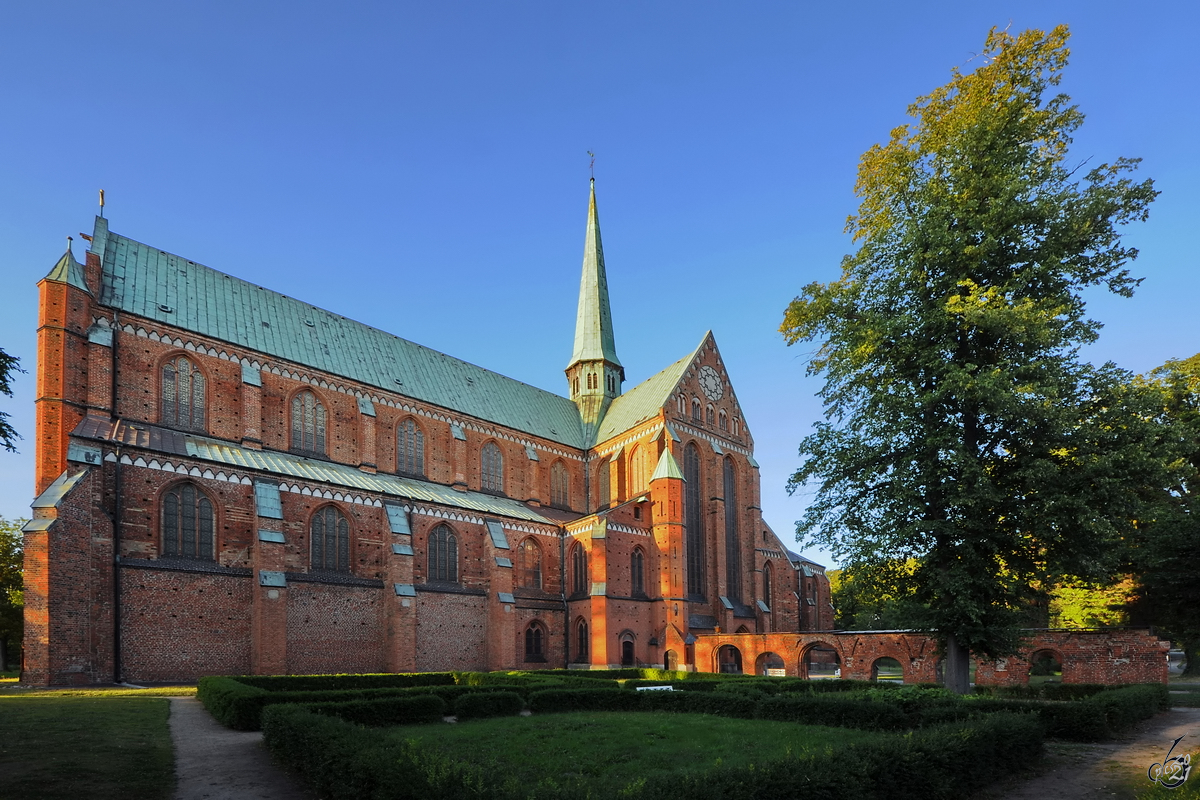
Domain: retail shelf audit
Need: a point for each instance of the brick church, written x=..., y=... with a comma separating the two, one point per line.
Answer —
x=233, y=481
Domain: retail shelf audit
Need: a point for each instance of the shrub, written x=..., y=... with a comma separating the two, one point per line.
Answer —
x=725, y=704
x=839, y=712
x=557, y=701
x=388, y=711
x=488, y=704
x=313, y=683
x=231, y=702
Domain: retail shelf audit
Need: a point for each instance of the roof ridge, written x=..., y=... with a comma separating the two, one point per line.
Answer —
x=614, y=421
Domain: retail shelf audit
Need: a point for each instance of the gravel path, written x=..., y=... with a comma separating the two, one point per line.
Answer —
x=1113, y=771
x=215, y=763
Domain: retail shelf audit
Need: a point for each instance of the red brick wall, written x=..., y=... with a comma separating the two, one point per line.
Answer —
x=451, y=631
x=181, y=626
x=1107, y=657
x=334, y=629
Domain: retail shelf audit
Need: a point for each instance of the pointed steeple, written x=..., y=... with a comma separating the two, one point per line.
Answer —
x=667, y=467
x=593, y=322
x=68, y=270
x=594, y=374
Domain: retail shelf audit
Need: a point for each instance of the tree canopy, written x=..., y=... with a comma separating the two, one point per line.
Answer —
x=962, y=431
x=12, y=601
x=9, y=365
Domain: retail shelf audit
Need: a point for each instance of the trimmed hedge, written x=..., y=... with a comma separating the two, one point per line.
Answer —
x=239, y=706
x=488, y=704
x=341, y=761
x=389, y=711
x=557, y=701
x=837, y=712
x=316, y=683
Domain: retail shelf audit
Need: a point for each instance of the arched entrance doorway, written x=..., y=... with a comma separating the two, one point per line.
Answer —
x=820, y=662
x=671, y=660
x=887, y=670
x=729, y=660
x=1045, y=666
x=770, y=664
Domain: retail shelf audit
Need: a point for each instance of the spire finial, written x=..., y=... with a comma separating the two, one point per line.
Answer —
x=102, y=203
x=592, y=165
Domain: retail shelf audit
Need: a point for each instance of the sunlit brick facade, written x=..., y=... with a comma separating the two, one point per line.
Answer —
x=233, y=481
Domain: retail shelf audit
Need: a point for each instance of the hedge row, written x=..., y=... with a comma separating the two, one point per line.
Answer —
x=313, y=683
x=340, y=760
x=237, y=705
x=384, y=713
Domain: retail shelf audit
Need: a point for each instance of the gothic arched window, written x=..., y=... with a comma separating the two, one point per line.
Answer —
x=710, y=416
x=410, y=449
x=766, y=595
x=308, y=424
x=580, y=580
x=693, y=519
x=603, y=479
x=535, y=638
x=182, y=395
x=722, y=420
x=733, y=553
x=491, y=473
x=639, y=472
x=330, y=535
x=530, y=562
x=560, y=486
x=582, y=640
x=187, y=523
x=637, y=572
x=443, y=555
x=697, y=414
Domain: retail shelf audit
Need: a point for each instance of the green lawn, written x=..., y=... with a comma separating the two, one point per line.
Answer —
x=610, y=750
x=85, y=747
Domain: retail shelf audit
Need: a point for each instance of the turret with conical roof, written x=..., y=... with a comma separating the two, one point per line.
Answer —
x=595, y=374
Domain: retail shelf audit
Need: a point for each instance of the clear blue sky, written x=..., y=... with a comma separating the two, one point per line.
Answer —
x=422, y=167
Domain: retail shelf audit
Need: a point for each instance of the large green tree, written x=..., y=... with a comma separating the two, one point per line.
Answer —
x=9, y=365
x=1166, y=551
x=962, y=431
x=12, y=602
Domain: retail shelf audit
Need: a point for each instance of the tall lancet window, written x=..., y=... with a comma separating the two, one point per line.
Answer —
x=187, y=523
x=308, y=424
x=330, y=535
x=410, y=449
x=693, y=520
x=182, y=395
x=560, y=486
x=733, y=553
x=603, y=482
x=491, y=473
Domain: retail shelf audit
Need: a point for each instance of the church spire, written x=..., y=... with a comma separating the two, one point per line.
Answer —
x=595, y=373
x=593, y=322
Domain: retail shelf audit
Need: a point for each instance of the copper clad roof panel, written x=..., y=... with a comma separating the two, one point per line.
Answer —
x=151, y=283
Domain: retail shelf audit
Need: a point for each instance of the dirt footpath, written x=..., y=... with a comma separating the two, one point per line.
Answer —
x=1113, y=771
x=215, y=763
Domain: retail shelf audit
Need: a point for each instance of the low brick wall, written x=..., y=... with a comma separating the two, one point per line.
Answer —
x=1108, y=656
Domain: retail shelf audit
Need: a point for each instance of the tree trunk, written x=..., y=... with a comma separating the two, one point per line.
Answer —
x=1191, y=652
x=958, y=667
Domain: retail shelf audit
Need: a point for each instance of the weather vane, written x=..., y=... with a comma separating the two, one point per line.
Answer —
x=592, y=165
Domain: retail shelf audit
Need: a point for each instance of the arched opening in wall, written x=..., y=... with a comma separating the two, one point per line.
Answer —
x=729, y=660
x=627, y=657
x=820, y=662
x=1045, y=666
x=530, y=560
x=329, y=534
x=887, y=670
x=580, y=579
x=671, y=660
x=770, y=664
x=182, y=397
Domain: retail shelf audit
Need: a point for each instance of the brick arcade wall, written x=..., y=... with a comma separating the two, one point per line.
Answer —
x=181, y=625
x=334, y=629
x=1110, y=656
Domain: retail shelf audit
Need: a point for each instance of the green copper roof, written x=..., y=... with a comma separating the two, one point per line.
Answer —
x=593, y=323
x=667, y=467
x=286, y=464
x=160, y=286
x=68, y=271
x=644, y=400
